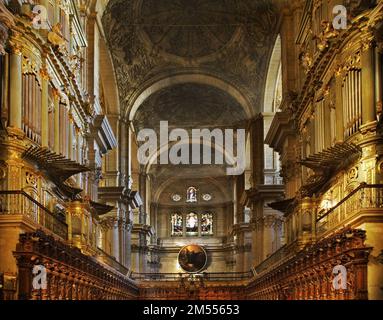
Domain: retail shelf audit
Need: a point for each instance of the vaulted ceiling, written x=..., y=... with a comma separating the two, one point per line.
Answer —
x=195, y=63
x=190, y=105
x=227, y=39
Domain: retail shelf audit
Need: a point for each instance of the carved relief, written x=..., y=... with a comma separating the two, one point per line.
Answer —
x=3, y=170
x=30, y=179
x=353, y=174
x=306, y=61
x=146, y=42
x=6, y=22
x=117, y=223
x=326, y=35
x=309, y=274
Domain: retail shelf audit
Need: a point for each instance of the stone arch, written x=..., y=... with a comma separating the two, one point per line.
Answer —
x=199, y=78
x=273, y=74
x=162, y=149
x=108, y=80
x=270, y=107
x=168, y=182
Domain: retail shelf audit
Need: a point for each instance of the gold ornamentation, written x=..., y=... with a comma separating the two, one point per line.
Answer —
x=55, y=37
x=367, y=44
x=306, y=61
x=56, y=93
x=2, y=173
x=353, y=174
x=353, y=62
x=351, y=187
x=29, y=67
x=30, y=179
x=44, y=73
x=76, y=62
x=6, y=23
x=16, y=48
x=326, y=35
x=380, y=167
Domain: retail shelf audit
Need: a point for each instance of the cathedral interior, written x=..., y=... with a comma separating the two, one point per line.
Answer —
x=294, y=87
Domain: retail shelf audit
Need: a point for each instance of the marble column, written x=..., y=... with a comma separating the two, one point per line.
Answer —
x=115, y=237
x=124, y=152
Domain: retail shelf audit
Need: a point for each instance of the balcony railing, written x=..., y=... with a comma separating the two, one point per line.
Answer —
x=21, y=203
x=364, y=197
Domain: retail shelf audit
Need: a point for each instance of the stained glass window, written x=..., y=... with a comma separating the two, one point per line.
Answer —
x=191, y=195
x=206, y=224
x=177, y=225
x=192, y=224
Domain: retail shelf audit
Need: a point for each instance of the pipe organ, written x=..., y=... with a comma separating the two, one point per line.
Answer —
x=352, y=102
x=64, y=129
x=334, y=121
x=320, y=131
x=31, y=88
x=48, y=113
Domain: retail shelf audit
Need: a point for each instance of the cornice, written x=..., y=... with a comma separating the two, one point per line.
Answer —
x=281, y=127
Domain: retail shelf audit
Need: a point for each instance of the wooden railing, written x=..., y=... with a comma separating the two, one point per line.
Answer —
x=207, y=276
x=21, y=203
x=309, y=275
x=70, y=275
x=364, y=197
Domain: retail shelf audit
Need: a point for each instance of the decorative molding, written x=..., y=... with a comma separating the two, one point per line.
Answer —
x=308, y=275
x=6, y=23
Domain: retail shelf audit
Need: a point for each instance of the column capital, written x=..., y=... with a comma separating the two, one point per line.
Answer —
x=117, y=223
x=6, y=22
x=44, y=73
x=269, y=220
x=56, y=93
x=16, y=47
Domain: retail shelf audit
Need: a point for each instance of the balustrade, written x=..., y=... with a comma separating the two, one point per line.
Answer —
x=21, y=203
x=364, y=197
